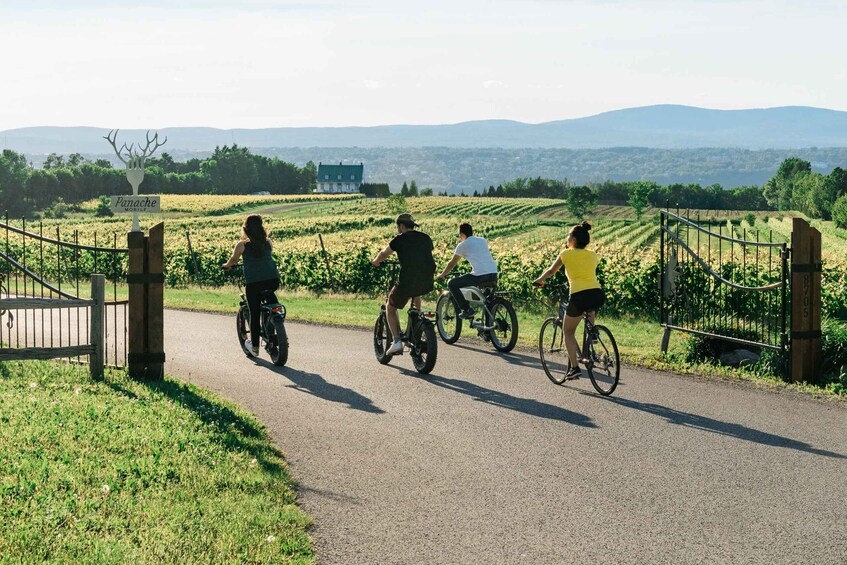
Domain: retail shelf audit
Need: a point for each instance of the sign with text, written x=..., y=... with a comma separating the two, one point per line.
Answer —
x=139, y=204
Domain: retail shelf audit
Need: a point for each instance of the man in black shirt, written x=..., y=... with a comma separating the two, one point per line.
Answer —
x=417, y=267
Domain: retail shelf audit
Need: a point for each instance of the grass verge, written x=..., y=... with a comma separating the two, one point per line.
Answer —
x=117, y=471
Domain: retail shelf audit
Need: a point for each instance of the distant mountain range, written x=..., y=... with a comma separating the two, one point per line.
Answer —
x=662, y=126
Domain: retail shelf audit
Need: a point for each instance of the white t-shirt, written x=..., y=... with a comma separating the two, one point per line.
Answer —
x=475, y=249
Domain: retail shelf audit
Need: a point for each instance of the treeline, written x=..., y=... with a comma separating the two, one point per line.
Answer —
x=796, y=187
x=229, y=170
x=610, y=192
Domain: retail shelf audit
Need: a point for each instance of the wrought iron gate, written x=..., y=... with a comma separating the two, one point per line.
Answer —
x=718, y=282
x=47, y=265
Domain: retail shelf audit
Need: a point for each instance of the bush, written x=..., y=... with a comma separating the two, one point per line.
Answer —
x=104, y=208
x=839, y=212
x=750, y=218
x=57, y=210
x=834, y=354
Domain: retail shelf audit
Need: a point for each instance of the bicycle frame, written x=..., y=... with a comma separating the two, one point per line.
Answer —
x=414, y=316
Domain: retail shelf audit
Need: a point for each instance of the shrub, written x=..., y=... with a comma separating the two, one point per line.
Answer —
x=839, y=212
x=750, y=218
x=104, y=208
x=57, y=210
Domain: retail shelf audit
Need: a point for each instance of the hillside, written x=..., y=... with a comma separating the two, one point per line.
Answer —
x=661, y=126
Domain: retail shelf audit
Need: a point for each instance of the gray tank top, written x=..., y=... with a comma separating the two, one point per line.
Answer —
x=258, y=267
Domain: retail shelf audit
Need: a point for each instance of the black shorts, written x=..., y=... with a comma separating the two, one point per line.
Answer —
x=585, y=301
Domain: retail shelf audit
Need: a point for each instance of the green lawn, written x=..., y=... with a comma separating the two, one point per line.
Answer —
x=116, y=471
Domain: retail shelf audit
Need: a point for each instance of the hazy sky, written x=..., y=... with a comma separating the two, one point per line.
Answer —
x=266, y=63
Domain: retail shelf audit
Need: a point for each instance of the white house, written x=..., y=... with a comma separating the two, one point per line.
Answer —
x=334, y=179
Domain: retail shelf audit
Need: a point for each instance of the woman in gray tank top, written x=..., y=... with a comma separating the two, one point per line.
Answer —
x=260, y=272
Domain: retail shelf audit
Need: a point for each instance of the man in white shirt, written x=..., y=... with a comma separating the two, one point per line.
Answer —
x=475, y=250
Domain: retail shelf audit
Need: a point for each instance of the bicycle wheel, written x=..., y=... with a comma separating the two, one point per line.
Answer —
x=603, y=361
x=447, y=318
x=551, y=349
x=504, y=336
x=242, y=326
x=382, y=339
x=277, y=342
x=424, y=347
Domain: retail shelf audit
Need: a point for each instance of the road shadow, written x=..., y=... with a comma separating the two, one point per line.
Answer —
x=316, y=385
x=704, y=423
x=512, y=358
x=527, y=406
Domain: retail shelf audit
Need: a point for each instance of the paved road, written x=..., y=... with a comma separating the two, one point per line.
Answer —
x=485, y=460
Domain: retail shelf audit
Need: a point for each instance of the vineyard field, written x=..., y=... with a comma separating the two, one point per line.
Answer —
x=525, y=236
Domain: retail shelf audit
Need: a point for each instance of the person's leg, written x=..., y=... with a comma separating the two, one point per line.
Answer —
x=272, y=286
x=569, y=326
x=393, y=319
x=253, y=291
x=455, y=285
x=416, y=302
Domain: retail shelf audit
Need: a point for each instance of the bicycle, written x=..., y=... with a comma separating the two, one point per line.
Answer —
x=498, y=323
x=419, y=335
x=271, y=328
x=602, y=359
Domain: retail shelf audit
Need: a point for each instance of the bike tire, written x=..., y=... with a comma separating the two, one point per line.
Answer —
x=552, y=350
x=509, y=326
x=382, y=339
x=242, y=327
x=277, y=342
x=424, y=347
x=447, y=318
x=604, y=361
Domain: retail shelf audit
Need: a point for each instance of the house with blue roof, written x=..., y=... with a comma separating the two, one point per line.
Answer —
x=336, y=179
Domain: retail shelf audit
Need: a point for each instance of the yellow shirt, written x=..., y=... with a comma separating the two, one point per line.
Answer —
x=581, y=269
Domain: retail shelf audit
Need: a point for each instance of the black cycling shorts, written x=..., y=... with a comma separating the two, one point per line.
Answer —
x=585, y=301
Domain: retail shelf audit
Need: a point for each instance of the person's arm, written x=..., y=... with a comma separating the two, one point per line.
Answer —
x=554, y=268
x=383, y=255
x=449, y=267
x=236, y=255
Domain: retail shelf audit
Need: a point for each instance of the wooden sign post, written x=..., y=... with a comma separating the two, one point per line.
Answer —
x=806, y=270
x=146, y=355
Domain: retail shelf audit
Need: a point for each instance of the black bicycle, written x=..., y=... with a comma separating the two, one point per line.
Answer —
x=601, y=358
x=418, y=337
x=498, y=321
x=271, y=328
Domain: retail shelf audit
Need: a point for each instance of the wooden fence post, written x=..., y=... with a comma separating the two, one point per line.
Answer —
x=155, y=350
x=136, y=310
x=806, y=271
x=97, y=359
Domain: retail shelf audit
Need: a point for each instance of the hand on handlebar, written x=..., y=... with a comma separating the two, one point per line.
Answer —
x=538, y=283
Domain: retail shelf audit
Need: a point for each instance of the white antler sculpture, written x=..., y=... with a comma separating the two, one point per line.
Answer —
x=134, y=160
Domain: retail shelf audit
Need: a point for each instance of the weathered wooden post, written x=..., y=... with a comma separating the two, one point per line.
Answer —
x=97, y=359
x=136, y=310
x=806, y=270
x=155, y=351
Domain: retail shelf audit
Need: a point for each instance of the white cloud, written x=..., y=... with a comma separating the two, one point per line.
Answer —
x=494, y=84
x=372, y=84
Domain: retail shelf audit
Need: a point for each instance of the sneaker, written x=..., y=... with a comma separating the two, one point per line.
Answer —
x=573, y=374
x=467, y=314
x=396, y=347
x=254, y=349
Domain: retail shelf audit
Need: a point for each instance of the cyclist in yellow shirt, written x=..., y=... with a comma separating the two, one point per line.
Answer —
x=586, y=295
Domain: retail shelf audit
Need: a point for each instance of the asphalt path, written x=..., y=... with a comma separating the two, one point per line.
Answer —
x=485, y=460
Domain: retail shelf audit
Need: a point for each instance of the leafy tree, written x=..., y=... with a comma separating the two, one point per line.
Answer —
x=235, y=172
x=75, y=160
x=404, y=190
x=639, y=198
x=839, y=212
x=581, y=201
x=14, y=172
x=779, y=190
x=54, y=161
x=57, y=210
x=103, y=163
x=426, y=192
